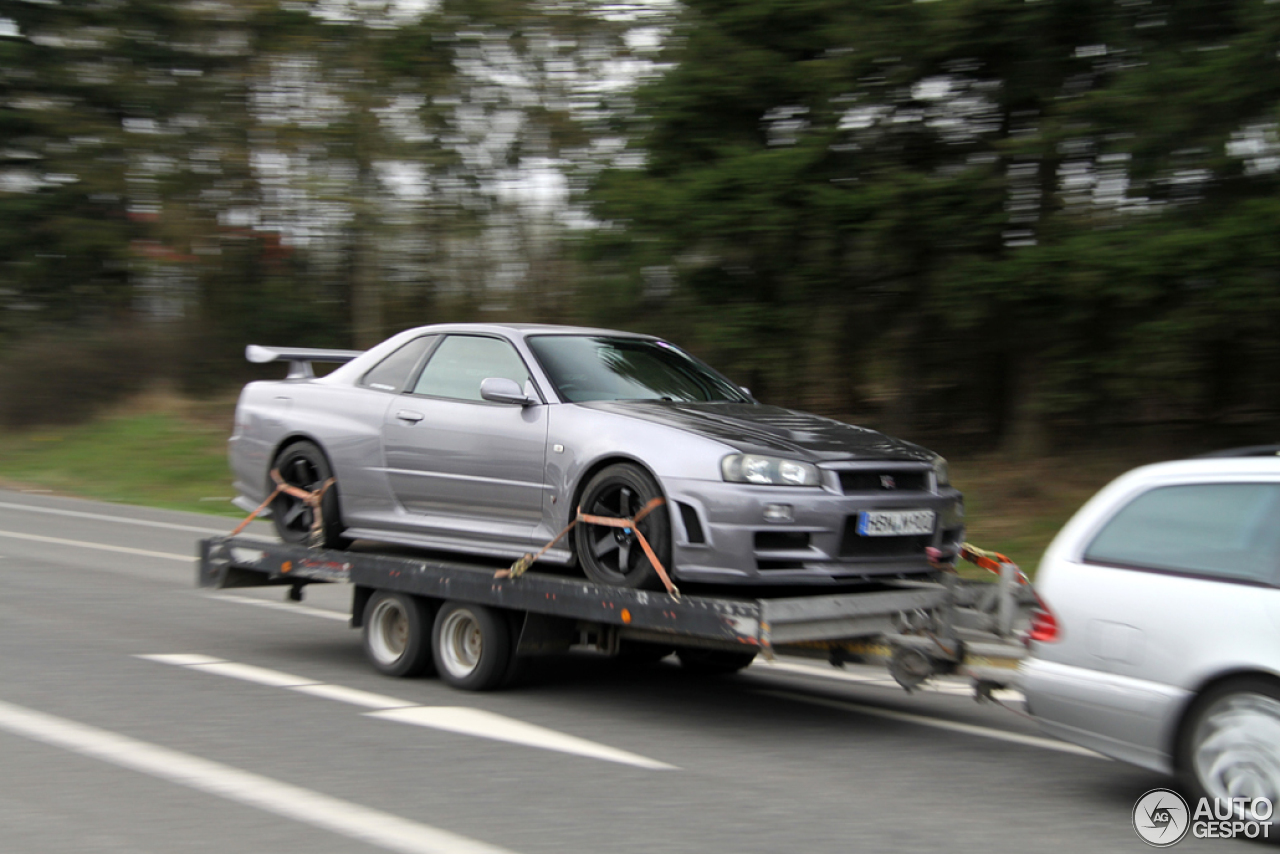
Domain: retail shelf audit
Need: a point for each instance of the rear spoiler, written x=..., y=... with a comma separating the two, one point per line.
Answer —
x=299, y=358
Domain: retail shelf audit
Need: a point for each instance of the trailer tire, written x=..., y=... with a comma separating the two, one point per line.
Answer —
x=472, y=646
x=713, y=662
x=397, y=633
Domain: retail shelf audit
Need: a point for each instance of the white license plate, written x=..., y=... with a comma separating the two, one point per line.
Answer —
x=896, y=523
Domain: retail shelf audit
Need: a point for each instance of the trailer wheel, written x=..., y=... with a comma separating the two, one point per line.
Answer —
x=713, y=662
x=396, y=633
x=472, y=646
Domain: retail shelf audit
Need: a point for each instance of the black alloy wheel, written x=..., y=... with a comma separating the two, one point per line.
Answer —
x=304, y=465
x=614, y=555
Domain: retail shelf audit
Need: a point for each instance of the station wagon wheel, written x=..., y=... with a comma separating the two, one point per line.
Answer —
x=397, y=633
x=614, y=555
x=472, y=646
x=304, y=465
x=1231, y=746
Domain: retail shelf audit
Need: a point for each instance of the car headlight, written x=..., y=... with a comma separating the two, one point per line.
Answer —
x=772, y=471
x=941, y=472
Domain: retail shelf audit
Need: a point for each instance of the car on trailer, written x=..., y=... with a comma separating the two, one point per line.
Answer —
x=488, y=438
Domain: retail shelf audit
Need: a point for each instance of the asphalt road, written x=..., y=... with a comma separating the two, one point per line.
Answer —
x=104, y=750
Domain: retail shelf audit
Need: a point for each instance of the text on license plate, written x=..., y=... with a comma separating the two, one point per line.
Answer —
x=895, y=523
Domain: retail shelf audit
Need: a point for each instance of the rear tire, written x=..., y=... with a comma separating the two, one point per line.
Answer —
x=397, y=633
x=472, y=647
x=304, y=465
x=613, y=555
x=713, y=662
x=1230, y=747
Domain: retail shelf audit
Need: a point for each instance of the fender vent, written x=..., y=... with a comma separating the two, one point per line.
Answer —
x=692, y=526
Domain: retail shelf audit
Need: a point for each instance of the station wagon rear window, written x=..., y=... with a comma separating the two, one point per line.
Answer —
x=1219, y=530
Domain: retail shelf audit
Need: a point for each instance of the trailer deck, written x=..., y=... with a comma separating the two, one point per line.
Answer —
x=409, y=607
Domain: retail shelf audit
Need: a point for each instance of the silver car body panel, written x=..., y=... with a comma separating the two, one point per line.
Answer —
x=1137, y=646
x=501, y=479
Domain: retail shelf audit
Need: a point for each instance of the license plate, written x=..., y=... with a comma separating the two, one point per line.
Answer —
x=896, y=523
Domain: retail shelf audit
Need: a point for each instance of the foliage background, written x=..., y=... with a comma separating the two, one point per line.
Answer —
x=1021, y=227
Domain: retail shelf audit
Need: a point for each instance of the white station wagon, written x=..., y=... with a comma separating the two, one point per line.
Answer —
x=1160, y=645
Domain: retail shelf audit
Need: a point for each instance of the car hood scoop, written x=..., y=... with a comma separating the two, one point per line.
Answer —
x=755, y=428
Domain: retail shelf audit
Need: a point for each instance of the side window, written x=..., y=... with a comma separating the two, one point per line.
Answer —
x=461, y=362
x=1222, y=530
x=392, y=373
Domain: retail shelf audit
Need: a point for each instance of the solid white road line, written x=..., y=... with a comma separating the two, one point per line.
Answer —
x=253, y=790
x=457, y=719
x=80, y=544
x=478, y=722
x=124, y=520
x=305, y=610
x=936, y=723
x=933, y=686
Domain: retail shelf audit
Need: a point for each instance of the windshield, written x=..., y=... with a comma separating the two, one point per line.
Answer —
x=584, y=368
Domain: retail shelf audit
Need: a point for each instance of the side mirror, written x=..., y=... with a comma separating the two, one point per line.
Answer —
x=503, y=390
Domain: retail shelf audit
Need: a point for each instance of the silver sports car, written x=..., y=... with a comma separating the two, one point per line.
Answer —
x=487, y=438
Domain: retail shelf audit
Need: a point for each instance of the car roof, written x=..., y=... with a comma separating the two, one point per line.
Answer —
x=1213, y=466
x=525, y=330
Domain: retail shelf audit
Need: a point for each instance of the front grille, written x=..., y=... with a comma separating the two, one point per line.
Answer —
x=857, y=547
x=871, y=480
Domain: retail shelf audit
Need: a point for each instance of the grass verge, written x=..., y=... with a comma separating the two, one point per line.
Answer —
x=158, y=452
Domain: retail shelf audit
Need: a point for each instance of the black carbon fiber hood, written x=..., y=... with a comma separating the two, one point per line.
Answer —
x=754, y=428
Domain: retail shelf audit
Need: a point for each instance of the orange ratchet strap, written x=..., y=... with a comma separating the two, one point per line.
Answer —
x=519, y=567
x=311, y=498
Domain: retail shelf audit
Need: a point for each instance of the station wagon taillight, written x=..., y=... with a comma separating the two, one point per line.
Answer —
x=1044, y=625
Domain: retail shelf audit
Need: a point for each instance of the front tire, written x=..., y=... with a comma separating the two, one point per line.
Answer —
x=613, y=555
x=397, y=633
x=1231, y=745
x=304, y=465
x=472, y=646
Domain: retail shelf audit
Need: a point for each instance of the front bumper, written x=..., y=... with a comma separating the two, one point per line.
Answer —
x=722, y=534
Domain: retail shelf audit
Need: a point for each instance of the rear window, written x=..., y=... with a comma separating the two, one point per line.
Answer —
x=1220, y=530
x=392, y=373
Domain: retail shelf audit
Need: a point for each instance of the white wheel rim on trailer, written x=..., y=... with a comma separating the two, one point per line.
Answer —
x=461, y=643
x=388, y=631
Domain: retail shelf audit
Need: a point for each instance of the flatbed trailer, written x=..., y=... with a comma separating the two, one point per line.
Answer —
x=477, y=628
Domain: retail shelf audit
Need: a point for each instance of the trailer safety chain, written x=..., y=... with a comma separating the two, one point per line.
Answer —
x=311, y=498
x=519, y=568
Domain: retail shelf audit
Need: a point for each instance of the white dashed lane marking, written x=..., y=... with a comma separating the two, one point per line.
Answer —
x=456, y=719
x=345, y=818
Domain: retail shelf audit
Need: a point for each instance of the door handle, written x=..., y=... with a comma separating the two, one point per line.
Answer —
x=409, y=415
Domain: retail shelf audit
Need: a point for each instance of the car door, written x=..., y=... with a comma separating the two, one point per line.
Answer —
x=462, y=465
